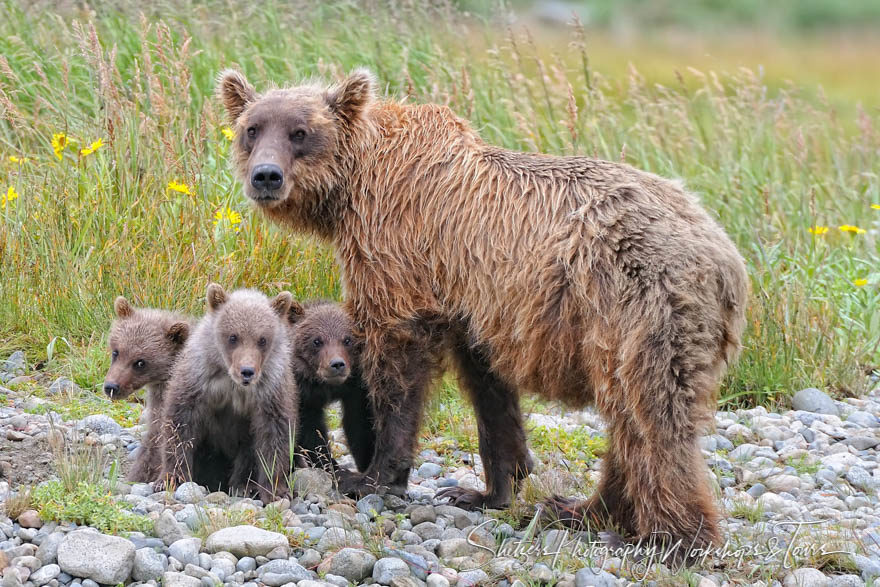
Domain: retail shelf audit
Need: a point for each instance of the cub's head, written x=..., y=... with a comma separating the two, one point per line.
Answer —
x=288, y=141
x=325, y=348
x=144, y=344
x=249, y=329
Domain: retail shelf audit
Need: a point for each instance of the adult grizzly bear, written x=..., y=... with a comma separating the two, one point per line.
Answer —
x=579, y=279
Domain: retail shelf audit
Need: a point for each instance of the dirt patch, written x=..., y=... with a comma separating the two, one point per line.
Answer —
x=25, y=462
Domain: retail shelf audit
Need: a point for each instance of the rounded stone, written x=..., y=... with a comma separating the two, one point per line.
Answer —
x=352, y=563
x=245, y=541
x=387, y=568
x=814, y=401
x=99, y=557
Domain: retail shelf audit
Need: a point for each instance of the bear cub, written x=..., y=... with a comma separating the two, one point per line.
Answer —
x=232, y=393
x=326, y=365
x=144, y=344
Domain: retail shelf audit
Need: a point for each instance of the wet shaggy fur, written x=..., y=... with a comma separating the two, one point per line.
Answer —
x=326, y=366
x=144, y=344
x=582, y=280
x=232, y=393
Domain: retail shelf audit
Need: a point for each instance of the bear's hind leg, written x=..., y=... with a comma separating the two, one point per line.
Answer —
x=502, y=437
x=607, y=508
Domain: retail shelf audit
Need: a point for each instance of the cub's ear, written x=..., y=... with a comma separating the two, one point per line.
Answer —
x=178, y=333
x=296, y=312
x=281, y=303
x=235, y=92
x=216, y=297
x=350, y=98
x=123, y=308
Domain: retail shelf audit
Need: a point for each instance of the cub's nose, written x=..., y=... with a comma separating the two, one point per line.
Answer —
x=111, y=389
x=247, y=373
x=267, y=176
x=337, y=364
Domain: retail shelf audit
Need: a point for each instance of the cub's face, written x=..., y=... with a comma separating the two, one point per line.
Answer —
x=287, y=141
x=143, y=347
x=246, y=329
x=324, y=343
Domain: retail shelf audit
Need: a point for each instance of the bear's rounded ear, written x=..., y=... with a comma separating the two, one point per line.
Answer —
x=235, y=92
x=216, y=297
x=296, y=312
x=281, y=303
x=351, y=96
x=122, y=307
x=178, y=333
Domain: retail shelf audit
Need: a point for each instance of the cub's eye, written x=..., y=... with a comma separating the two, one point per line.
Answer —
x=298, y=135
x=140, y=364
x=114, y=354
x=262, y=341
x=317, y=342
x=252, y=132
x=346, y=341
x=233, y=339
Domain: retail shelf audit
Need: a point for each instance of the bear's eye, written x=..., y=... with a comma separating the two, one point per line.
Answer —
x=346, y=341
x=252, y=132
x=317, y=342
x=233, y=339
x=297, y=136
x=140, y=364
x=114, y=354
x=262, y=341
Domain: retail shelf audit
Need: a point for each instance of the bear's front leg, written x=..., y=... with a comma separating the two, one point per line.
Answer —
x=179, y=442
x=398, y=365
x=272, y=428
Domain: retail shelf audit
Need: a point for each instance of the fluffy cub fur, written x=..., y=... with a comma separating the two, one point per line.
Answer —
x=326, y=366
x=232, y=392
x=144, y=344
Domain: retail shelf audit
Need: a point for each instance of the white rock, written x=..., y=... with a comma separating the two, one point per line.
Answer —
x=245, y=541
x=101, y=558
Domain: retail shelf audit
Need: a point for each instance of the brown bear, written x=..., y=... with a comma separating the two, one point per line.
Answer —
x=144, y=343
x=232, y=391
x=326, y=366
x=582, y=280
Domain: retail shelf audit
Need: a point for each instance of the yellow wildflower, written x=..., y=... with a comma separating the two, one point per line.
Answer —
x=818, y=230
x=850, y=228
x=20, y=160
x=59, y=143
x=875, y=206
x=228, y=133
x=860, y=282
x=92, y=147
x=176, y=186
x=230, y=215
x=10, y=195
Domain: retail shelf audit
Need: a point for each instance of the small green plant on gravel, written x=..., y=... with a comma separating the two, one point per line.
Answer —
x=804, y=464
x=752, y=512
x=575, y=444
x=210, y=520
x=88, y=504
x=273, y=520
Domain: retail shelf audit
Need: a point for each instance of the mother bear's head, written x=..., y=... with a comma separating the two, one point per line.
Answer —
x=291, y=145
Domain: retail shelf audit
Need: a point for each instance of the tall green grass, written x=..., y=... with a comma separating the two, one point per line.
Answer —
x=87, y=227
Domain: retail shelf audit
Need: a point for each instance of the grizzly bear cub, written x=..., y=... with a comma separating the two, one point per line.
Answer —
x=232, y=392
x=144, y=344
x=326, y=366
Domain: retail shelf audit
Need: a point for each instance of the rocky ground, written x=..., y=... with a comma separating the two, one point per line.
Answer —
x=798, y=490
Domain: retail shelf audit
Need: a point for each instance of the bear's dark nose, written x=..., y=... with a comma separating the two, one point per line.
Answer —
x=111, y=389
x=247, y=373
x=337, y=364
x=267, y=176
